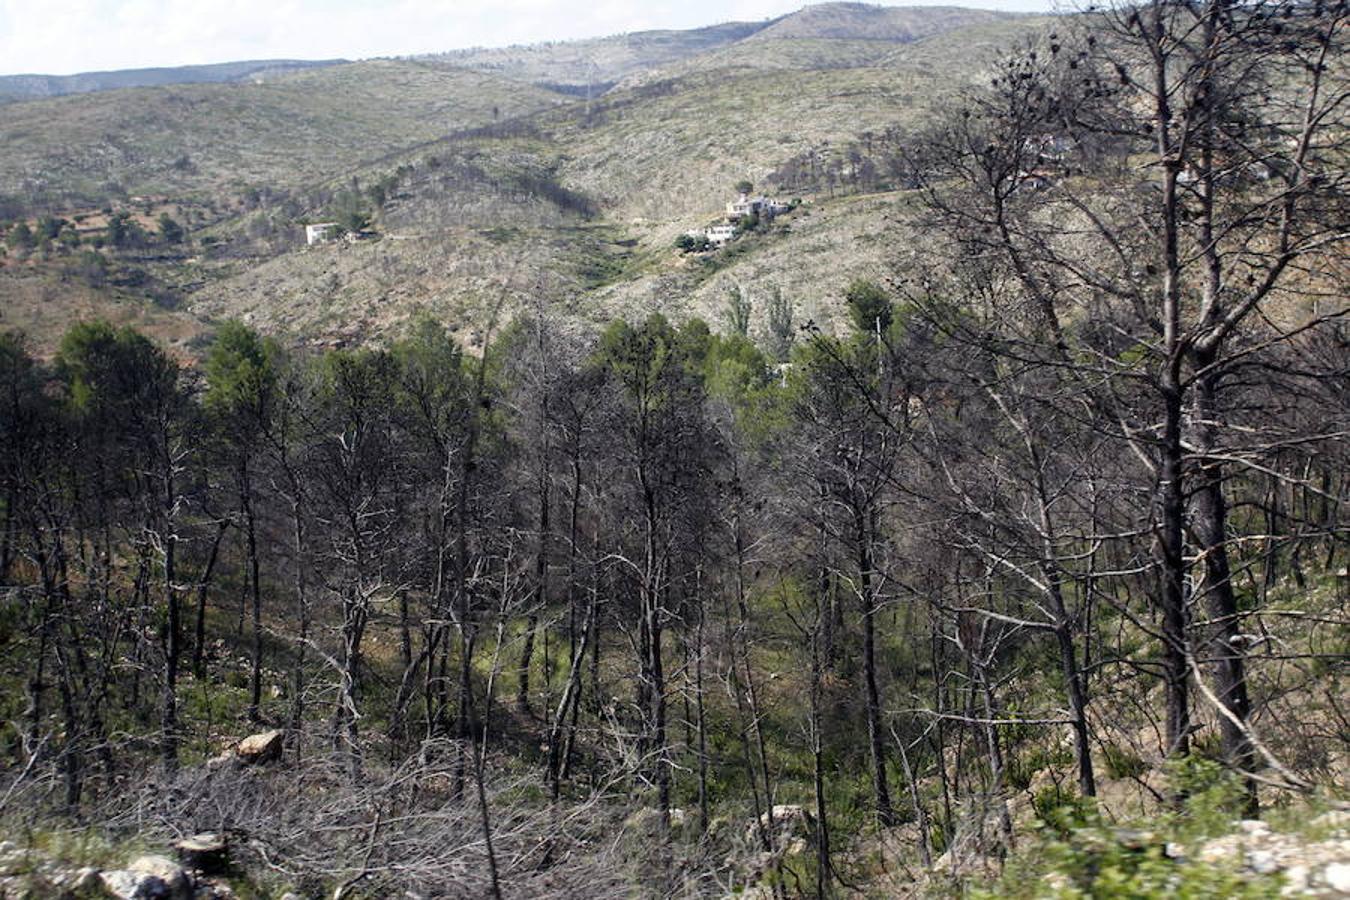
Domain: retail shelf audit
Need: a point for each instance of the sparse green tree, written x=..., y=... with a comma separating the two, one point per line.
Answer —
x=778, y=317
x=124, y=232
x=20, y=237
x=869, y=306
x=127, y=392
x=169, y=230
x=737, y=311
x=350, y=212
x=50, y=227
x=240, y=395
x=692, y=243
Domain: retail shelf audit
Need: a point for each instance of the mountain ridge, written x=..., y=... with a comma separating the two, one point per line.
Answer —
x=578, y=67
x=35, y=86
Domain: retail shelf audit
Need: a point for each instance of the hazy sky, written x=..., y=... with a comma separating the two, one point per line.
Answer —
x=59, y=37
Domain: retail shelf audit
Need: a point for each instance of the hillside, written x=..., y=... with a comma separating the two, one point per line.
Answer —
x=826, y=35
x=586, y=197
x=598, y=63
x=212, y=141
x=978, y=46
x=868, y=22
x=16, y=88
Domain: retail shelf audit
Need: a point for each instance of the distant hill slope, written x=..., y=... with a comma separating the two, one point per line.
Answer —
x=573, y=65
x=863, y=21
x=827, y=35
x=199, y=139
x=839, y=36
x=15, y=88
x=966, y=52
x=505, y=183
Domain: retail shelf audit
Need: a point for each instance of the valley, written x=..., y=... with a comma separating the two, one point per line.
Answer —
x=497, y=155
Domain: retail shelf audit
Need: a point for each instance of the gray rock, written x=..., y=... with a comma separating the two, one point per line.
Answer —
x=1336, y=820
x=13, y=859
x=1337, y=877
x=77, y=881
x=260, y=748
x=149, y=878
x=124, y=885
x=226, y=760
x=1263, y=862
x=789, y=820
x=1295, y=881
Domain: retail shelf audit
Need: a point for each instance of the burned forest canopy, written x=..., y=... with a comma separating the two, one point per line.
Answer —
x=1043, y=534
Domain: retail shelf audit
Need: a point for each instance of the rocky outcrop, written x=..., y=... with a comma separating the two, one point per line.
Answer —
x=260, y=748
x=26, y=874
x=254, y=750
x=786, y=825
x=1310, y=868
x=149, y=878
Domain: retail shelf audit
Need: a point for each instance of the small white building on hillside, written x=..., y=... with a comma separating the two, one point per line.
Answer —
x=320, y=233
x=720, y=234
x=745, y=205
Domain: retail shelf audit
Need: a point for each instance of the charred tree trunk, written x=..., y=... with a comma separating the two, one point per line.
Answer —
x=881, y=793
x=1223, y=640
x=203, y=585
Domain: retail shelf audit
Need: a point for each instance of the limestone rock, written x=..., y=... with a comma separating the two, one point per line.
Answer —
x=1295, y=881
x=1263, y=862
x=260, y=748
x=789, y=821
x=1337, y=877
x=1253, y=827
x=83, y=880
x=149, y=878
x=12, y=859
x=1308, y=868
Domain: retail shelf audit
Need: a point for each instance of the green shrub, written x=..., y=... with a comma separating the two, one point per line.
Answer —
x=1213, y=795
x=1122, y=763
x=1021, y=769
x=1060, y=809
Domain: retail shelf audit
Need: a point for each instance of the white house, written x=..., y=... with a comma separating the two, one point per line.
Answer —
x=745, y=205
x=720, y=234
x=320, y=233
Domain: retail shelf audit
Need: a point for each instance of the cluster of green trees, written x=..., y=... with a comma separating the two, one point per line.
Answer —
x=661, y=524
x=693, y=243
x=123, y=233
x=354, y=206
